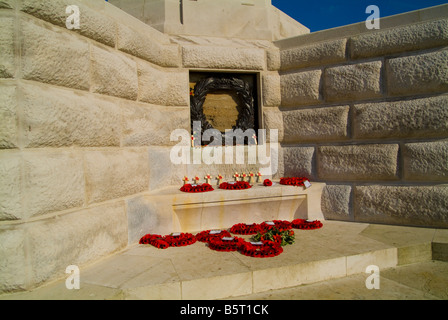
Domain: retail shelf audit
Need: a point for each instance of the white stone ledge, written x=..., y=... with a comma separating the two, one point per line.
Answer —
x=171, y=210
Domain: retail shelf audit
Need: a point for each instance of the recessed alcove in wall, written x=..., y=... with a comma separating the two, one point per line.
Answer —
x=225, y=101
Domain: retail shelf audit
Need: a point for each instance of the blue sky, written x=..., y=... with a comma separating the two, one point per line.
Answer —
x=325, y=14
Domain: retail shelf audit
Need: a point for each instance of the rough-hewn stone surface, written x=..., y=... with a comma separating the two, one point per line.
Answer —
x=162, y=87
x=114, y=74
x=273, y=59
x=320, y=124
x=353, y=82
x=300, y=88
x=223, y=58
x=405, y=38
x=336, y=202
x=422, y=73
x=54, y=181
x=115, y=174
x=358, y=162
x=92, y=24
x=8, y=118
x=13, y=262
x=56, y=243
x=273, y=120
x=408, y=205
x=146, y=125
x=315, y=54
x=63, y=118
x=54, y=57
x=143, y=46
x=271, y=90
x=418, y=118
x=10, y=186
x=7, y=4
x=6, y=47
x=426, y=161
x=298, y=162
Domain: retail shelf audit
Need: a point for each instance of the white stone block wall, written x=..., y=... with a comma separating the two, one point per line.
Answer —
x=367, y=113
x=80, y=112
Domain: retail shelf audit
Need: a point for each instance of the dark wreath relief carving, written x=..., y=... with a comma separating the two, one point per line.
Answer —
x=246, y=115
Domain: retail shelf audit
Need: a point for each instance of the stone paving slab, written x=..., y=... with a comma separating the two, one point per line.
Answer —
x=336, y=255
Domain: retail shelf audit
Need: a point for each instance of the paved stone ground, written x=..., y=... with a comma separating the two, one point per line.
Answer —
x=420, y=281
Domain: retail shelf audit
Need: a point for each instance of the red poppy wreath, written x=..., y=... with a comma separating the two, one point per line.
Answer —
x=197, y=188
x=263, y=249
x=303, y=224
x=206, y=236
x=293, y=181
x=245, y=229
x=239, y=185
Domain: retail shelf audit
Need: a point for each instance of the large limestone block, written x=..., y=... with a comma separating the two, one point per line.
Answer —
x=320, y=124
x=162, y=87
x=299, y=162
x=353, y=82
x=426, y=161
x=13, y=265
x=273, y=120
x=409, y=205
x=300, y=88
x=358, y=162
x=147, y=125
x=273, y=59
x=53, y=181
x=417, y=118
x=316, y=54
x=142, y=45
x=113, y=174
x=92, y=24
x=63, y=118
x=423, y=73
x=53, y=56
x=400, y=39
x=75, y=238
x=114, y=74
x=7, y=4
x=163, y=171
x=336, y=202
x=7, y=47
x=223, y=57
x=10, y=186
x=271, y=90
x=8, y=118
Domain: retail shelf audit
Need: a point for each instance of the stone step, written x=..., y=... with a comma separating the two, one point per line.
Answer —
x=338, y=250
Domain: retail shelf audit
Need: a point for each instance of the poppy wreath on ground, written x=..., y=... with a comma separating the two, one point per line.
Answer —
x=245, y=229
x=267, y=183
x=293, y=181
x=239, y=185
x=225, y=244
x=181, y=240
x=281, y=225
x=205, y=236
x=303, y=224
x=154, y=240
x=164, y=242
x=197, y=189
x=267, y=249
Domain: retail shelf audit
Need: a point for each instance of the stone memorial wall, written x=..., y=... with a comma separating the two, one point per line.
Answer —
x=86, y=118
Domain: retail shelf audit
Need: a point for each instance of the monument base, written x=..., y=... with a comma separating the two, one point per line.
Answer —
x=170, y=210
